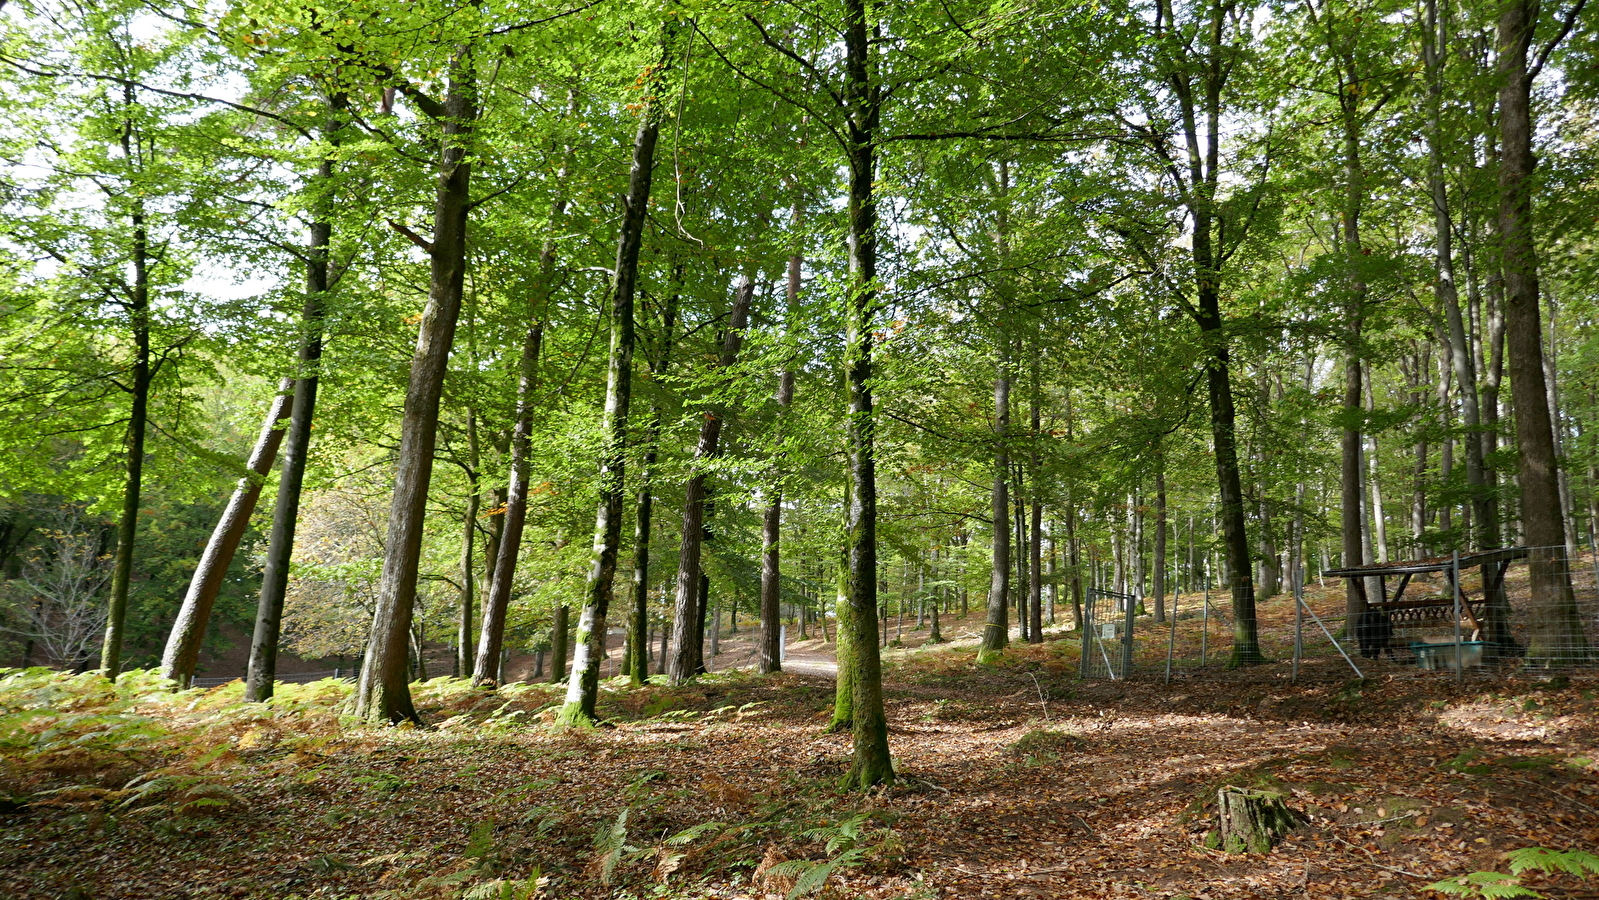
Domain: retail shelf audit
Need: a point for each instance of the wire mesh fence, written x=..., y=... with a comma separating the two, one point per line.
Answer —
x=1468, y=614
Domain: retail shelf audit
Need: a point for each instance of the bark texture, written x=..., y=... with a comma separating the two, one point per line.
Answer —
x=383, y=694
x=584, y=684
x=686, y=660
x=188, y=630
x=863, y=101
x=1555, y=633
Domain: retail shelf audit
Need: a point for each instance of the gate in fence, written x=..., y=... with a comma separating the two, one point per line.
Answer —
x=1107, y=634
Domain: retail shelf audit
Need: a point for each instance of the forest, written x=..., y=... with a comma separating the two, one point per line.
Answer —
x=544, y=366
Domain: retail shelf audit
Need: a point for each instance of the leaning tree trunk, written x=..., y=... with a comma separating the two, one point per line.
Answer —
x=383, y=693
x=188, y=630
x=491, y=632
x=1555, y=633
x=508, y=546
x=583, y=687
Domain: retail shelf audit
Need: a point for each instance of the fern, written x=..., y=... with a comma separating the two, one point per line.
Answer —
x=810, y=875
x=481, y=841
x=844, y=835
x=1494, y=885
x=612, y=844
x=1542, y=859
x=693, y=833
x=505, y=889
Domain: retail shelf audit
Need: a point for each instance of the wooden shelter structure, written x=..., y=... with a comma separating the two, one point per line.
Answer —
x=1487, y=615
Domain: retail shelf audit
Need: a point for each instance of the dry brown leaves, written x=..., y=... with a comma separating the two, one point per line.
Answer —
x=1404, y=782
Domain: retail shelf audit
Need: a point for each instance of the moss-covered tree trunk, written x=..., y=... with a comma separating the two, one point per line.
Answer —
x=1252, y=821
x=583, y=686
x=844, y=653
x=863, y=101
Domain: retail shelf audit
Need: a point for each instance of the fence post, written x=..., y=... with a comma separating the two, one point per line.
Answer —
x=1088, y=634
x=1299, y=619
x=1171, y=639
x=1460, y=652
x=1131, y=604
x=1593, y=556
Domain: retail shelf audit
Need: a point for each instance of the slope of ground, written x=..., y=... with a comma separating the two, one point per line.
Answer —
x=1016, y=780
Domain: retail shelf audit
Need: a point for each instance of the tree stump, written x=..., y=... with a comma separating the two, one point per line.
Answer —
x=1252, y=821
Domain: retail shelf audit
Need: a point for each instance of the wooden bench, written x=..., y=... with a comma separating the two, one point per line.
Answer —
x=1434, y=611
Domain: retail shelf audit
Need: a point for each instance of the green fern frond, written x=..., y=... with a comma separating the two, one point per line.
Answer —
x=1542, y=859
x=693, y=833
x=1491, y=885
x=481, y=841
x=612, y=844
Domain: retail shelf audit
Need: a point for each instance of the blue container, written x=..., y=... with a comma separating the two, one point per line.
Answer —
x=1448, y=655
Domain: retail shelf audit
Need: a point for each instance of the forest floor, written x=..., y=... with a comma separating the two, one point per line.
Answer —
x=1015, y=779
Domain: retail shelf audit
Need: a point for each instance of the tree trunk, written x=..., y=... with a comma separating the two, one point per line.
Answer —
x=863, y=101
x=996, y=631
x=660, y=659
x=1551, y=366
x=560, y=642
x=771, y=649
x=513, y=521
x=1203, y=103
x=638, y=664
x=1160, y=537
x=188, y=630
x=687, y=636
x=138, y=307
x=462, y=663
x=1435, y=47
x=583, y=687
x=1379, y=514
x=1555, y=633
x=262, y=673
x=1074, y=561
x=382, y=693
x=702, y=601
x=1019, y=551
x=1035, y=582
x=844, y=653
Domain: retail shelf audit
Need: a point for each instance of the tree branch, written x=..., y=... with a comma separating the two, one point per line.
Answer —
x=414, y=238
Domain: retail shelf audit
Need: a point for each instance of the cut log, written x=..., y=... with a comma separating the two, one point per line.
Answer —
x=1251, y=821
